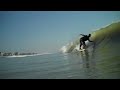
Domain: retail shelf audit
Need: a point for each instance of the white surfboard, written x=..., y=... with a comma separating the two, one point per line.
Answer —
x=82, y=50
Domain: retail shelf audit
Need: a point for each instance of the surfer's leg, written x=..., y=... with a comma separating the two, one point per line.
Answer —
x=84, y=45
x=80, y=44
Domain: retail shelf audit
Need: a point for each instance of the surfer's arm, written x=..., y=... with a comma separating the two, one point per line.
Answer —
x=82, y=34
x=90, y=40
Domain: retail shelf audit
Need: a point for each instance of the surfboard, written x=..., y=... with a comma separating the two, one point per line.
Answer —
x=82, y=50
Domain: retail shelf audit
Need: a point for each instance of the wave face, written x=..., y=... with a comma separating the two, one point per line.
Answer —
x=105, y=39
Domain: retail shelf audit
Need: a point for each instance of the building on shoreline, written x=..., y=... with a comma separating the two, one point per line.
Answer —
x=7, y=54
x=0, y=53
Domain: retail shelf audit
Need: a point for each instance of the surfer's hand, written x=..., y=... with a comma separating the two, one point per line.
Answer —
x=82, y=34
x=90, y=41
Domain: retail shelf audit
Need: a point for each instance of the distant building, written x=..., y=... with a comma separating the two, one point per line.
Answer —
x=16, y=53
x=1, y=53
x=4, y=54
x=7, y=54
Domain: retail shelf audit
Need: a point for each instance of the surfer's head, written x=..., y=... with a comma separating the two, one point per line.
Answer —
x=89, y=35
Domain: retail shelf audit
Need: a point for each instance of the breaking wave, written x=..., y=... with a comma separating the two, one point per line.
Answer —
x=106, y=38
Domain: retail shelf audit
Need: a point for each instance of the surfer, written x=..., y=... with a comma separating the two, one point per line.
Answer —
x=83, y=39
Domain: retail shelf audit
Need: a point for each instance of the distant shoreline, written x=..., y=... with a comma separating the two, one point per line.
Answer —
x=19, y=56
x=12, y=56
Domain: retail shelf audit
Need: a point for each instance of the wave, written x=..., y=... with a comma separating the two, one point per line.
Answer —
x=104, y=39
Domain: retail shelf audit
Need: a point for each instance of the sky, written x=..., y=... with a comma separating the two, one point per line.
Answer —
x=48, y=31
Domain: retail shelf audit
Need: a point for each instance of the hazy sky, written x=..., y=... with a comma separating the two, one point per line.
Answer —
x=48, y=31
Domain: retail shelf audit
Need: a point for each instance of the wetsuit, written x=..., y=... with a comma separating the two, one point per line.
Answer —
x=83, y=39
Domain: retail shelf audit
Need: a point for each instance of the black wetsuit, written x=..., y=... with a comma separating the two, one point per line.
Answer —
x=83, y=39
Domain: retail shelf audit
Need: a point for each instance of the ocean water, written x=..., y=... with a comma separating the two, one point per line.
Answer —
x=101, y=60
x=80, y=65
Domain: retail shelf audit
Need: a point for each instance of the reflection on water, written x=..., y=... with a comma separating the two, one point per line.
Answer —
x=89, y=65
x=100, y=65
x=81, y=65
x=85, y=58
